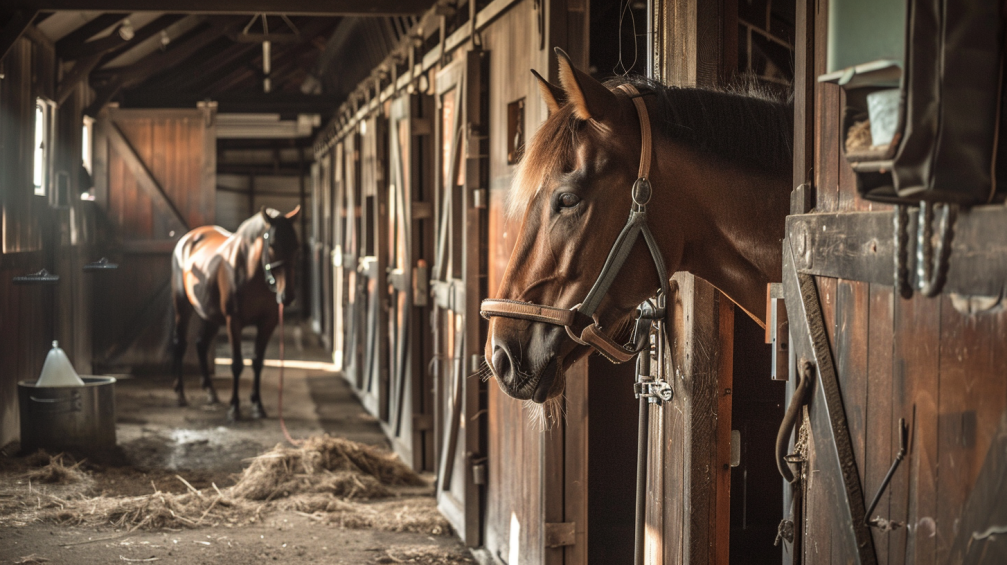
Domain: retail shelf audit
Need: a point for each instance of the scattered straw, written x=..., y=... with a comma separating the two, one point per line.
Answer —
x=55, y=471
x=326, y=479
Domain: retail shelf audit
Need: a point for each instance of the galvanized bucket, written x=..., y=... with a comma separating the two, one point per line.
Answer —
x=76, y=418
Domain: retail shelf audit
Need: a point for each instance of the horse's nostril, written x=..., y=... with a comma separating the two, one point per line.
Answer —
x=502, y=365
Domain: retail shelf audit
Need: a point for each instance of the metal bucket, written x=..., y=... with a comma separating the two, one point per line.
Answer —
x=78, y=418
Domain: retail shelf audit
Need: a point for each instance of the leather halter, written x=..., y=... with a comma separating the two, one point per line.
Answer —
x=267, y=266
x=583, y=314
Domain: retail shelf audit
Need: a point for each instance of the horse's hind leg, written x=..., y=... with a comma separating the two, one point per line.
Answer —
x=183, y=311
x=237, y=364
x=207, y=333
x=261, y=340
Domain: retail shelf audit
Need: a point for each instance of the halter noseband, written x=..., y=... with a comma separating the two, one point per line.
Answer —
x=582, y=315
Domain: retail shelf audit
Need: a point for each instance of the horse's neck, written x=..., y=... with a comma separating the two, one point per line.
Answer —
x=730, y=227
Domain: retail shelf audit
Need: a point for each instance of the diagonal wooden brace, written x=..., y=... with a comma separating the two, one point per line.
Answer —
x=840, y=477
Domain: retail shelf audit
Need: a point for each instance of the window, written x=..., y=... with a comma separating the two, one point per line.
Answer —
x=86, y=144
x=43, y=141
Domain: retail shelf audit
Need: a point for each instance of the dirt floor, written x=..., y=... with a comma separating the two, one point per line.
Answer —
x=160, y=444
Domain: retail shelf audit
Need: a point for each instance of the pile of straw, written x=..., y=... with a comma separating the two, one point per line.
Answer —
x=324, y=464
x=327, y=479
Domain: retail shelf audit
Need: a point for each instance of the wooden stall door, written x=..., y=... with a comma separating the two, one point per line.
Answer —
x=410, y=420
x=354, y=306
x=339, y=220
x=372, y=266
x=155, y=174
x=459, y=283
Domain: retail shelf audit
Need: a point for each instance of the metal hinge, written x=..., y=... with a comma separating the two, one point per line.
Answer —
x=559, y=534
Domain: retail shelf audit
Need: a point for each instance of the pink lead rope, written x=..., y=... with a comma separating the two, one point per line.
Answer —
x=283, y=425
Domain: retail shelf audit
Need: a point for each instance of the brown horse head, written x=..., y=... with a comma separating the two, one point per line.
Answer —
x=279, y=254
x=574, y=189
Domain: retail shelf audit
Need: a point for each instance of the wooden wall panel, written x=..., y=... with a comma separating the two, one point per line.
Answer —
x=134, y=333
x=918, y=359
x=37, y=236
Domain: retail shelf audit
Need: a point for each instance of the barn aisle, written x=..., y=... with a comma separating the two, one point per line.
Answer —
x=159, y=444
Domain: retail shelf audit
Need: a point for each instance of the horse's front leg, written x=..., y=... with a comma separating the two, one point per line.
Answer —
x=237, y=364
x=265, y=330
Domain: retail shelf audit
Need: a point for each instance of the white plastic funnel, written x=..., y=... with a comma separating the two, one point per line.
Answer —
x=57, y=370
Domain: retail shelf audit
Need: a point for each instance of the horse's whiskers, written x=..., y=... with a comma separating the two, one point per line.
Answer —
x=542, y=417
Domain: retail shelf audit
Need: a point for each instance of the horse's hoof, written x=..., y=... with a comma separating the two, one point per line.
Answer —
x=258, y=412
x=211, y=396
x=234, y=414
x=182, y=401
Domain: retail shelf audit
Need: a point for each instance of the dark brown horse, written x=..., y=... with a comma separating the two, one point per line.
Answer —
x=233, y=279
x=720, y=177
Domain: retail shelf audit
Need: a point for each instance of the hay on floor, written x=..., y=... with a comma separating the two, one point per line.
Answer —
x=327, y=479
x=324, y=464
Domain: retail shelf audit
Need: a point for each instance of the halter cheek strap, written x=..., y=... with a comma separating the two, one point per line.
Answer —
x=573, y=319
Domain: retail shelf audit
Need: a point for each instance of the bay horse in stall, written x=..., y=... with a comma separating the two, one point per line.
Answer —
x=233, y=280
x=716, y=167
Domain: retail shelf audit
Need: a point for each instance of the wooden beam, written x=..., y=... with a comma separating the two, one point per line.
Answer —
x=159, y=62
x=144, y=179
x=76, y=75
x=239, y=102
x=288, y=7
x=115, y=42
x=73, y=41
x=14, y=27
x=860, y=246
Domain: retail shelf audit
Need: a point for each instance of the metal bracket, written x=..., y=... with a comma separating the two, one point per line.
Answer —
x=655, y=392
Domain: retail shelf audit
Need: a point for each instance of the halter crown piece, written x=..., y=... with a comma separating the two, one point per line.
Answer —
x=579, y=321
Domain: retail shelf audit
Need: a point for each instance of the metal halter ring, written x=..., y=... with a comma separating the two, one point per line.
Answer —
x=642, y=192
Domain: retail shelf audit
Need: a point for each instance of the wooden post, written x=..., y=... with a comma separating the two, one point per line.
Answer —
x=695, y=44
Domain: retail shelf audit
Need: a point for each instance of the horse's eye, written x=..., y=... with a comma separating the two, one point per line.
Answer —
x=565, y=200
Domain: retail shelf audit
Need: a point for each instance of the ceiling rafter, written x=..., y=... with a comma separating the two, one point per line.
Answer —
x=14, y=25
x=115, y=43
x=270, y=7
x=281, y=57
x=159, y=62
x=74, y=40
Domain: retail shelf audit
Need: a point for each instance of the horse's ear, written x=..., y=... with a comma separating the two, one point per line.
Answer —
x=553, y=95
x=590, y=98
x=265, y=216
x=293, y=213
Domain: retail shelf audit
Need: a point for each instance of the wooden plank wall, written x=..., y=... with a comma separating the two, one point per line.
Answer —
x=918, y=359
x=37, y=236
x=134, y=333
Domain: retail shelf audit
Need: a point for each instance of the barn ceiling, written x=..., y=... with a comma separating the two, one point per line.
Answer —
x=301, y=61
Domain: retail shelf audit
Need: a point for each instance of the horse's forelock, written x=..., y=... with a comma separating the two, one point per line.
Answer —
x=545, y=157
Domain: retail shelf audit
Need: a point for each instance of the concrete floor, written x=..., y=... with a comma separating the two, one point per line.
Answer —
x=158, y=439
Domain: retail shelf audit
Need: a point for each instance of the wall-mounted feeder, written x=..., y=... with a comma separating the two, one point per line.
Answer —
x=923, y=93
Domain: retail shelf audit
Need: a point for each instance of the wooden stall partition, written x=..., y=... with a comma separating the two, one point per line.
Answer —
x=154, y=180
x=409, y=424
x=919, y=360
x=689, y=477
x=339, y=219
x=372, y=266
x=354, y=308
x=459, y=283
x=324, y=246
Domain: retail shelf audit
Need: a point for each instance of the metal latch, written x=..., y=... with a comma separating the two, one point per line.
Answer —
x=655, y=392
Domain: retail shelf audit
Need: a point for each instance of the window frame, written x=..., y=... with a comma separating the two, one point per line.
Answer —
x=48, y=110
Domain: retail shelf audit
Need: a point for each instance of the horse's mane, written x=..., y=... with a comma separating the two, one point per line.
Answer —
x=748, y=128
